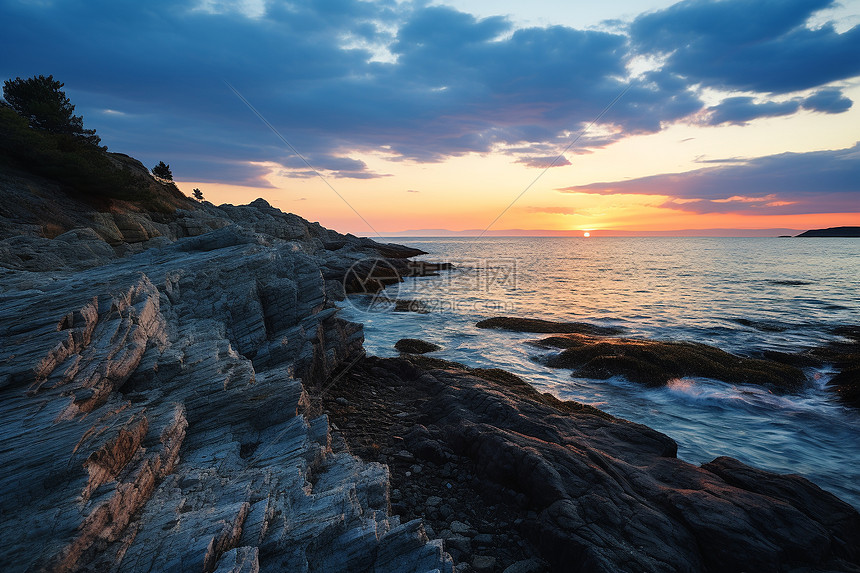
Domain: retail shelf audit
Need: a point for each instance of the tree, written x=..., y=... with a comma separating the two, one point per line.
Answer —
x=198, y=194
x=46, y=107
x=162, y=171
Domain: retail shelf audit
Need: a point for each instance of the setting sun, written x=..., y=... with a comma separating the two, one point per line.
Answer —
x=586, y=234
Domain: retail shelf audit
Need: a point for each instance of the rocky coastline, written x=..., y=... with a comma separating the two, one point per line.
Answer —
x=180, y=394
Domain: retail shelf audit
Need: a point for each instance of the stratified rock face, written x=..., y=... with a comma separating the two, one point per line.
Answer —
x=154, y=413
x=600, y=494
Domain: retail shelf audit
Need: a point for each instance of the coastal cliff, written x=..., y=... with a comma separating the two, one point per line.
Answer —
x=180, y=394
x=156, y=415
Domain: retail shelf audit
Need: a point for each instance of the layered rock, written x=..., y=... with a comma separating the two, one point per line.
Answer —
x=156, y=413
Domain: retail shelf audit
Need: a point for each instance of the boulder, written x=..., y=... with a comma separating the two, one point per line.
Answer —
x=415, y=346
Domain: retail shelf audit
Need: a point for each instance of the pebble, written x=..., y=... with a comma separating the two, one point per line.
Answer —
x=342, y=401
x=483, y=563
x=460, y=527
x=526, y=566
x=460, y=543
x=446, y=511
x=434, y=501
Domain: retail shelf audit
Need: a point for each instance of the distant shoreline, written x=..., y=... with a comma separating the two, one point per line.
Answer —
x=593, y=233
x=838, y=232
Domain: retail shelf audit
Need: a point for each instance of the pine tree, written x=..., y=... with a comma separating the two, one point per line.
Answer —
x=45, y=106
x=198, y=194
x=162, y=171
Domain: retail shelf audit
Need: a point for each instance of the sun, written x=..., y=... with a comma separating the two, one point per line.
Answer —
x=586, y=234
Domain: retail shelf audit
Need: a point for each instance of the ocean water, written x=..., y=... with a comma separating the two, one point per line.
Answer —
x=739, y=294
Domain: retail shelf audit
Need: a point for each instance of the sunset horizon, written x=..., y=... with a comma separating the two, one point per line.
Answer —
x=471, y=115
x=430, y=286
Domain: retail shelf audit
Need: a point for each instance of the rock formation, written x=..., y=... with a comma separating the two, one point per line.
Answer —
x=587, y=491
x=166, y=377
x=158, y=409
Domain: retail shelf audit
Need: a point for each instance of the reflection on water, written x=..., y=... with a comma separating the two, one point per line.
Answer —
x=740, y=294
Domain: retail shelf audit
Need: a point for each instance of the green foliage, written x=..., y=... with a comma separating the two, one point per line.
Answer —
x=64, y=158
x=43, y=104
x=198, y=194
x=162, y=170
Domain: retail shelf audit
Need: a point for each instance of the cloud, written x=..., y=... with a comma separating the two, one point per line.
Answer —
x=412, y=191
x=424, y=82
x=742, y=109
x=828, y=101
x=787, y=183
x=749, y=45
x=544, y=162
x=330, y=165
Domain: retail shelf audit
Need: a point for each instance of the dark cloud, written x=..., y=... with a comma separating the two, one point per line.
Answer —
x=788, y=183
x=828, y=101
x=544, y=162
x=740, y=110
x=749, y=45
x=425, y=83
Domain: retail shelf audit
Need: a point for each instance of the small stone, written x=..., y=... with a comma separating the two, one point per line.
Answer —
x=342, y=401
x=415, y=346
x=483, y=563
x=417, y=469
x=396, y=495
x=446, y=511
x=433, y=501
x=484, y=539
x=460, y=543
x=526, y=566
x=404, y=456
x=408, y=474
x=460, y=527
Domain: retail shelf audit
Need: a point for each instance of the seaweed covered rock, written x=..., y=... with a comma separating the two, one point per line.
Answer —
x=655, y=363
x=415, y=346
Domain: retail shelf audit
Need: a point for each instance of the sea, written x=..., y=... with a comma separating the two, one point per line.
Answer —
x=742, y=295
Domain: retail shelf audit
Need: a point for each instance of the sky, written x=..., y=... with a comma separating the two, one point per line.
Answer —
x=379, y=117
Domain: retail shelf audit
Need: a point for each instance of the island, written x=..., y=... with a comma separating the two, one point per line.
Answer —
x=832, y=232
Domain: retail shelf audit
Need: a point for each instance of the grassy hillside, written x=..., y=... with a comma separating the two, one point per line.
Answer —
x=88, y=172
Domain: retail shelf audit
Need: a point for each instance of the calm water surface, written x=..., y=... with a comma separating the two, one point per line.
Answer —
x=740, y=294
